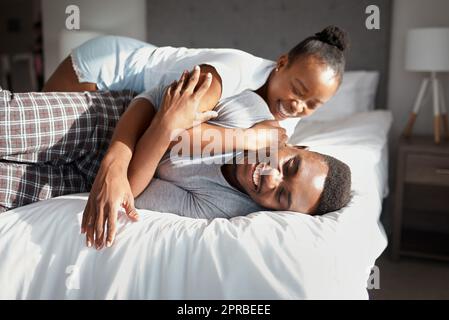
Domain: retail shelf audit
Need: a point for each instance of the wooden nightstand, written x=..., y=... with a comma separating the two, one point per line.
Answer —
x=421, y=214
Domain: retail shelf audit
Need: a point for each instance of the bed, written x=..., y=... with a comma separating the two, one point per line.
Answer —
x=265, y=255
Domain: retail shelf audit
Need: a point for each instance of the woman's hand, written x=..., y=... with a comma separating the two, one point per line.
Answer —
x=179, y=109
x=110, y=192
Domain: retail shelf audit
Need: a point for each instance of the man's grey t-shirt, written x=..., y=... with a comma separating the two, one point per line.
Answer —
x=194, y=189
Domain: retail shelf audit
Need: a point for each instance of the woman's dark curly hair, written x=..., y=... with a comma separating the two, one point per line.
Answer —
x=329, y=45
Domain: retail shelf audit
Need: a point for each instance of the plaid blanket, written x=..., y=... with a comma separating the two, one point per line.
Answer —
x=52, y=144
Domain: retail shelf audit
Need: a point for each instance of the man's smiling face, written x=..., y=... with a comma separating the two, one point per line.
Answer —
x=295, y=184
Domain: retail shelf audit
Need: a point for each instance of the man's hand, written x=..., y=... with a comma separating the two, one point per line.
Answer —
x=265, y=134
x=180, y=106
x=110, y=191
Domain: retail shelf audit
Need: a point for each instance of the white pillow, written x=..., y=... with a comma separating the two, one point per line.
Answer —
x=357, y=93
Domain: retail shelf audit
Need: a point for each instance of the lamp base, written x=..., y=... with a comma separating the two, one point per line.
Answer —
x=445, y=121
x=409, y=128
x=439, y=109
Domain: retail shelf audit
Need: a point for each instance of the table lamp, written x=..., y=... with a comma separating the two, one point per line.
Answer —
x=427, y=50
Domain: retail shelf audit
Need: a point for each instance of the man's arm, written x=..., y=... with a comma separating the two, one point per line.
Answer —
x=216, y=139
x=141, y=112
x=149, y=151
x=165, y=196
x=179, y=111
x=111, y=188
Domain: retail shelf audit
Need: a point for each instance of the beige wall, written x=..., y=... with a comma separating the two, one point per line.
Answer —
x=403, y=85
x=126, y=18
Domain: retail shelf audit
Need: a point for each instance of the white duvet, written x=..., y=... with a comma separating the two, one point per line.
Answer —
x=265, y=255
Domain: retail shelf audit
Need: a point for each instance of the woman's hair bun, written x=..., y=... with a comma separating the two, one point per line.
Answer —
x=334, y=36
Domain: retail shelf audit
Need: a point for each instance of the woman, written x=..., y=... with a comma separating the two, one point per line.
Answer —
x=294, y=86
x=118, y=63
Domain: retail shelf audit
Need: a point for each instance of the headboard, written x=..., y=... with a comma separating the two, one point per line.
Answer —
x=270, y=28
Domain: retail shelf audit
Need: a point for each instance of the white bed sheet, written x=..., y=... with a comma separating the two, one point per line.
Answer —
x=265, y=255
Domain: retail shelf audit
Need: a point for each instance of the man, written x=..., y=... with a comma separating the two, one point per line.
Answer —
x=302, y=181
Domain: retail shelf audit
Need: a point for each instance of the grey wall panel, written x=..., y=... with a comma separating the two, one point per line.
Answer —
x=270, y=28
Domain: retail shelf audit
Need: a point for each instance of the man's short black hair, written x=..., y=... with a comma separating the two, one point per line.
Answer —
x=336, y=192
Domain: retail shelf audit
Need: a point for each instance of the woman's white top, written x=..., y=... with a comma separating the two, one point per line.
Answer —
x=238, y=70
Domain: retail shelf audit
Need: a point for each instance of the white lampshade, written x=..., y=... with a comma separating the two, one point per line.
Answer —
x=427, y=50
